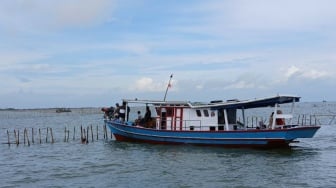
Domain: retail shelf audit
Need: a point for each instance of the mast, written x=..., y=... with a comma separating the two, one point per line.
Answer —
x=168, y=86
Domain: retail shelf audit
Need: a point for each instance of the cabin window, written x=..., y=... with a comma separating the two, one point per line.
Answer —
x=221, y=119
x=170, y=112
x=198, y=113
x=213, y=113
x=206, y=113
x=232, y=115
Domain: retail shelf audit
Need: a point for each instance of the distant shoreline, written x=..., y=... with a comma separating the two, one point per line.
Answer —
x=78, y=108
x=54, y=108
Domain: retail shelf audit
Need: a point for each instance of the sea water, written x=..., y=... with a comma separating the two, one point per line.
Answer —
x=108, y=163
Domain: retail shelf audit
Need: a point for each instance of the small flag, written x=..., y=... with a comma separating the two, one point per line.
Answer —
x=169, y=84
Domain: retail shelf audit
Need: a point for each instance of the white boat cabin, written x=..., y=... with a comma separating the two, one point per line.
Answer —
x=213, y=116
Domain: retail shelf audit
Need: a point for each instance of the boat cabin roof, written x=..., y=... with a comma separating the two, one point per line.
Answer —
x=229, y=104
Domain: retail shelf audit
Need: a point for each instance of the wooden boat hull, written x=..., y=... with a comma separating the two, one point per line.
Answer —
x=236, y=138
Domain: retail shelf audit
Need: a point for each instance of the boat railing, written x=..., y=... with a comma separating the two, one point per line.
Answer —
x=254, y=122
x=191, y=125
x=290, y=120
x=325, y=119
x=307, y=120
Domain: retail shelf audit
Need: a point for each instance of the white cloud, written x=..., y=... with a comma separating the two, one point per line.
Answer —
x=82, y=12
x=35, y=15
x=199, y=86
x=134, y=48
x=13, y=59
x=241, y=85
x=292, y=70
x=315, y=74
x=305, y=73
x=146, y=84
x=285, y=14
x=268, y=15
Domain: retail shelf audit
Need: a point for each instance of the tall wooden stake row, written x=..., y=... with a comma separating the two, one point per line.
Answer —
x=84, y=135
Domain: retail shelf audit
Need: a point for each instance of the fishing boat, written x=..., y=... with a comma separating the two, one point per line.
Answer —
x=222, y=123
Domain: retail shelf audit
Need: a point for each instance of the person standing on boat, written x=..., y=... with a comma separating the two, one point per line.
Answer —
x=278, y=121
x=122, y=111
x=148, y=115
x=138, y=120
x=128, y=112
x=116, y=111
x=108, y=112
x=139, y=115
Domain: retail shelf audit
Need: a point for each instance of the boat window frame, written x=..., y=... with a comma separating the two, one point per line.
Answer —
x=170, y=111
x=198, y=113
x=206, y=112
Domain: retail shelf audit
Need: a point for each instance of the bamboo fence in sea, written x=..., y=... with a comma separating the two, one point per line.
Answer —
x=91, y=134
x=46, y=135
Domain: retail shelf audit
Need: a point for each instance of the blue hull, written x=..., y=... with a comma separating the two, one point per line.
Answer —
x=237, y=138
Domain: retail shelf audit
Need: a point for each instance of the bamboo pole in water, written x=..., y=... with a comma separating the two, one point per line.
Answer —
x=87, y=135
x=84, y=135
x=91, y=133
x=52, y=136
x=8, y=138
x=27, y=137
x=47, y=136
x=104, y=131
x=65, y=134
x=73, y=138
x=16, y=140
x=24, y=136
x=68, y=135
x=81, y=134
x=97, y=132
x=40, y=135
x=33, y=135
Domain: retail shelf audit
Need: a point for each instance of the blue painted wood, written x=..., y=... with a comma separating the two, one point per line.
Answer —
x=255, y=137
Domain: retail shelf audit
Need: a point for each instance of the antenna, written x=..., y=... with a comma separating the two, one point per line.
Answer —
x=168, y=86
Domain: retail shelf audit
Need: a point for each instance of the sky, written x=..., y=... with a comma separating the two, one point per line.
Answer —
x=93, y=53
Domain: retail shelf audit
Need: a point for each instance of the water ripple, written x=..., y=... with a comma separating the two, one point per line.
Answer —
x=308, y=163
